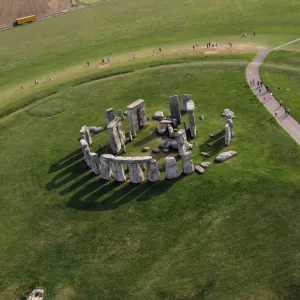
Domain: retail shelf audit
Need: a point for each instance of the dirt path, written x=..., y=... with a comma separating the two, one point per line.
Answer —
x=272, y=105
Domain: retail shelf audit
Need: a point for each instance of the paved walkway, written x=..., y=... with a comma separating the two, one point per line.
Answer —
x=272, y=105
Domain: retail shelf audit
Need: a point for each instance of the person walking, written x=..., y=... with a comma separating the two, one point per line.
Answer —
x=259, y=91
x=254, y=34
x=275, y=114
x=88, y=63
x=197, y=44
x=108, y=59
x=216, y=45
x=21, y=87
x=193, y=47
x=257, y=83
x=159, y=50
x=133, y=56
x=288, y=111
x=153, y=53
x=280, y=102
x=261, y=84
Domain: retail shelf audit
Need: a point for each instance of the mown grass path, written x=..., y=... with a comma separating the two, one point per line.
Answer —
x=268, y=100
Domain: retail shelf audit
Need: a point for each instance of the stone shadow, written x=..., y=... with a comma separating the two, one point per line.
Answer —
x=122, y=194
x=147, y=139
x=214, y=145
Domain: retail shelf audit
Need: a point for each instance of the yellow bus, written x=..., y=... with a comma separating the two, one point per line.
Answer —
x=23, y=20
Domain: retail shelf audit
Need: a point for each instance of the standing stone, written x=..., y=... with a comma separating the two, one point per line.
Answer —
x=120, y=114
x=110, y=115
x=137, y=116
x=230, y=123
x=153, y=171
x=118, y=171
x=85, y=134
x=105, y=166
x=135, y=173
x=185, y=99
x=121, y=134
x=182, y=142
x=174, y=123
x=174, y=108
x=171, y=168
x=191, y=115
x=95, y=163
x=129, y=136
x=227, y=135
x=187, y=163
x=86, y=151
x=170, y=131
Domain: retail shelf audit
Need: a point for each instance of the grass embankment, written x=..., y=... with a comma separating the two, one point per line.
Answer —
x=52, y=88
x=119, y=26
x=230, y=234
x=282, y=70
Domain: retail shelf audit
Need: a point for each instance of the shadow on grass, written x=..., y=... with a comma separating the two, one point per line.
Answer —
x=214, y=145
x=118, y=194
x=147, y=139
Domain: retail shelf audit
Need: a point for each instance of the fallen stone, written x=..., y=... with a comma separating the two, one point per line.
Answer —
x=225, y=155
x=174, y=144
x=205, y=164
x=166, y=121
x=159, y=115
x=36, y=294
x=156, y=150
x=205, y=154
x=145, y=149
x=189, y=146
x=166, y=144
x=98, y=130
x=125, y=113
x=166, y=150
x=161, y=128
x=199, y=169
x=92, y=128
x=201, y=117
x=228, y=113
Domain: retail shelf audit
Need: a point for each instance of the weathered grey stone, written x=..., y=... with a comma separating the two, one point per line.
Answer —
x=36, y=294
x=205, y=154
x=86, y=155
x=118, y=171
x=120, y=114
x=159, y=115
x=228, y=113
x=199, y=169
x=105, y=166
x=190, y=105
x=182, y=142
x=121, y=135
x=166, y=143
x=205, y=164
x=129, y=135
x=156, y=150
x=170, y=131
x=161, y=128
x=95, y=163
x=174, y=123
x=85, y=134
x=166, y=121
x=135, y=173
x=230, y=123
x=115, y=139
x=85, y=145
x=171, y=168
x=153, y=171
x=110, y=115
x=225, y=155
x=187, y=163
x=184, y=100
x=174, y=108
x=191, y=115
x=137, y=116
x=189, y=146
x=98, y=130
x=92, y=128
x=174, y=144
x=136, y=160
x=145, y=149
x=166, y=150
x=125, y=113
x=227, y=135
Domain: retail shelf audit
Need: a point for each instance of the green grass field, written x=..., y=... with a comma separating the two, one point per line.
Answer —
x=232, y=233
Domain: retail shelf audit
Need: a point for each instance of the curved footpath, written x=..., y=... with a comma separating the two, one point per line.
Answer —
x=285, y=120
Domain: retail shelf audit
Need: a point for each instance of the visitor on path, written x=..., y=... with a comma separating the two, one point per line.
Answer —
x=259, y=91
x=230, y=45
x=36, y=82
x=280, y=102
x=212, y=45
x=265, y=100
x=159, y=50
x=88, y=63
x=197, y=44
x=108, y=59
x=133, y=56
x=288, y=111
x=254, y=34
x=102, y=60
x=276, y=112
x=153, y=53
x=193, y=47
x=216, y=45
x=285, y=110
x=21, y=87
x=209, y=45
x=261, y=83
x=257, y=83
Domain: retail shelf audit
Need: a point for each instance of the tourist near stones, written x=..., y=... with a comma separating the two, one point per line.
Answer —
x=109, y=166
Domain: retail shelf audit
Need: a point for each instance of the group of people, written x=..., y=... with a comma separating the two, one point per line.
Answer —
x=208, y=45
x=259, y=85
